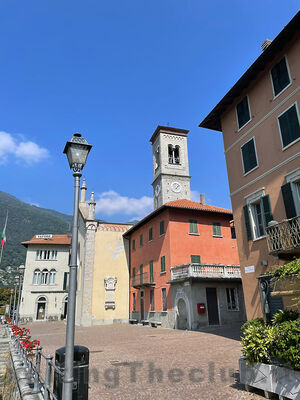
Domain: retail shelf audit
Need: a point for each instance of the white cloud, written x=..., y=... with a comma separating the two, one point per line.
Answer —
x=29, y=152
x=111, y=203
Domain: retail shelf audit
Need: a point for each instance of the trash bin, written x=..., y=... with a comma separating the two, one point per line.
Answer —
x=80, y=372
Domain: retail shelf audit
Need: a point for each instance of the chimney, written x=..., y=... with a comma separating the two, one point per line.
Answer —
x=83, y=191
x=92, y=205
x=266, y=43
x=202, y=199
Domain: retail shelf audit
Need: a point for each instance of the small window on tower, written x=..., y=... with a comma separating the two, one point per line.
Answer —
x=176, y=155
x=170, y=153
x=156, y=155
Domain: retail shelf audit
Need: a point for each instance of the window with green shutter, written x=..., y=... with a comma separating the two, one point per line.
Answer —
x=288, y=200
x=163, y=264
x=164, y=298
x=243, y=113
x=151, y=271
x=133, y=245
x=280, y=76
x=193, y=224
x=217, y=229
x=289, y=126
x=195, y=259
x=152, y=300
x=133, y=275
x=150, y=235
x=162, y=228
x=141, y=240
x=249, y=156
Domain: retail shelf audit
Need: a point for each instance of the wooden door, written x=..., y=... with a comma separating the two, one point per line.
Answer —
x=212, y=306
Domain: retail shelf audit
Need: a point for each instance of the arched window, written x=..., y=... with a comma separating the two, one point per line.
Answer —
x=170, y=154
x=41, y=308
x=52, y=277
x=37, y=277
x=173, y=154
x=45, y=277
x=156, y=155
x=176, y=155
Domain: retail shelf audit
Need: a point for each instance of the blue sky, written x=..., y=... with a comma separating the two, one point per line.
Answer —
x=114, y=71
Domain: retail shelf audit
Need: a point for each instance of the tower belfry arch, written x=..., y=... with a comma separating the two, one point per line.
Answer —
x=171, y=179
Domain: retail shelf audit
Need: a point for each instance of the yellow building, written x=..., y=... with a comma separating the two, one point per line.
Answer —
x=103, y=274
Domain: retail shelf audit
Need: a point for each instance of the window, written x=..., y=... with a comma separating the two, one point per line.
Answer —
x=232, y=299
x=52, y=277
x=249, y=156
x=66, y=281
x=164, y=298
x=141, y=240
x=151, y=271
x=173, y=154
x=141, y=274
x=162, y=264
x=289, y=126
x=133, y=301
x=46, y=254
x=150, y=235
x=37, y=277
x=162, y=228
x=291, y=194
x=280, y=76
x=151, y=300
x=243, y=113
x=257, y=214
x=217, y=229
x=193, y=226
x=133, y=275
x=195, y=259
x=156, y=157
x=45, y=277
x=232, y=230
x=133, y=245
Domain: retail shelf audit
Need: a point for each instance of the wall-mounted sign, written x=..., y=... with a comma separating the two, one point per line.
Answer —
x=249, y=269
x=43, y=236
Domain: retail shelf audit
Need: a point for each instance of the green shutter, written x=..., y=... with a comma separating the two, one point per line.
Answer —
x=193, y=226
x=289, y=126
x=162, y=264
x=267, y=209
x=150, y=234
x=162, y=228
x=195, y=259
x=133, y=245
x=247, y=222
x=141, y=240
x=288, y=200
x=216, y=229
x=151, y=271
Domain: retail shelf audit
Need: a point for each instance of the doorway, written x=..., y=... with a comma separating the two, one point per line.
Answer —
x=212, y=306
x=41, y=308
x=182, y=320
x=142, y=306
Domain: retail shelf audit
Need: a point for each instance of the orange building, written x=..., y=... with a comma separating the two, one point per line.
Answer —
x=184, y=270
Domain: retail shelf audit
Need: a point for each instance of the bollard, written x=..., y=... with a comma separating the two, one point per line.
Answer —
x=36, y=388
x=47, y=377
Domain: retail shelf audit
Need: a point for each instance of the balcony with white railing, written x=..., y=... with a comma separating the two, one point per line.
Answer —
x=284, y=237
x=214, y=271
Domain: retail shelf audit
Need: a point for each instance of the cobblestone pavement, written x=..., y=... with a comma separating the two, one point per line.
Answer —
x=139, y=362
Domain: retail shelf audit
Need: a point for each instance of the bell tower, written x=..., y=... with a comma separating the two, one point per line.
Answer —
x=171, y=179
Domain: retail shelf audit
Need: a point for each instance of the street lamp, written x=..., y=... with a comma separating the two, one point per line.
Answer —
x=77, y=150
x=21, y=272
x=9, y=312
x=15, y=295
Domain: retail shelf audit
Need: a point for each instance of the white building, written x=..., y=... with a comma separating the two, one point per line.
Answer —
x=45, y=285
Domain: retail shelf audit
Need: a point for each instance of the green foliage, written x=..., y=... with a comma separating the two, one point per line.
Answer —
x=253, y=322
x=287, y=341
x=284, y=315
x=4, y=296
x=25, y=221
x=258, y=343
x=292, y=268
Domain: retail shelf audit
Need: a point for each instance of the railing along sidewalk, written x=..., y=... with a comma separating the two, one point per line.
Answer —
x=41, y=384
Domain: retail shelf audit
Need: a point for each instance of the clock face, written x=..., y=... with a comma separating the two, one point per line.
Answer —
x=176, y=187
x=157, y=190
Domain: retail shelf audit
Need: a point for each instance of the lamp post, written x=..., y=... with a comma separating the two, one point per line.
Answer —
x=15, y=295
x=21, y=272
x=77, y=150
x=10, y=299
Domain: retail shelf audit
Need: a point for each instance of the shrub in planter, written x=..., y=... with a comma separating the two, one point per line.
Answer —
x=287, y=344
x=258, y=343
x=252, y=322
x=284, y=315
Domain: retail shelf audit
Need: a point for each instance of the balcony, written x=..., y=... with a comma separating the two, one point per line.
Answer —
x=186, y=271
x=142, y=280
x=284, y=237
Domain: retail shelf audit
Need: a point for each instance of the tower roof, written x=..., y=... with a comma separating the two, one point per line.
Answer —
x=168, y=129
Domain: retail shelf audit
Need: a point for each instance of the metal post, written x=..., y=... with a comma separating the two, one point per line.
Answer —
x=36, y=388
x=9, y=312
x=13, y=318
x=47, y=377
x=19, y=299
x=70, y=332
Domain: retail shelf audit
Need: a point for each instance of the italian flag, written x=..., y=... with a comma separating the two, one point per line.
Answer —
x=3, y=236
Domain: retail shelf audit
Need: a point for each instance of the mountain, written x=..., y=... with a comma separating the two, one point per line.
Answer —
x=25, y=221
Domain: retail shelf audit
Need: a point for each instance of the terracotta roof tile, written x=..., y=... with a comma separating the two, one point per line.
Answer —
x=194, y=205
x=55, y=239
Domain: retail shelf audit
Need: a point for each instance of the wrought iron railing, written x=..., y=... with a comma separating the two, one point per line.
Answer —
x=143, y=279
x=205, y=271
x=38, y=375
x=284, y=236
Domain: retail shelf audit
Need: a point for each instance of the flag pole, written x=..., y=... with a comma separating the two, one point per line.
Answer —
x=4, y=230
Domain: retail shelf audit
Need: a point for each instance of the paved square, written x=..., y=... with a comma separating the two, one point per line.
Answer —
x=137, y=362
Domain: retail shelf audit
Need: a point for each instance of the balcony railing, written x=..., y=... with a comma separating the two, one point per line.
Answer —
x=284, y=236
x=145, y=279
x=205, y=271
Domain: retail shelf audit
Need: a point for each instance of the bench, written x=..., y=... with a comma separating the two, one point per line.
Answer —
x=155, y=324
x=145, y=322
x=133, y=321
